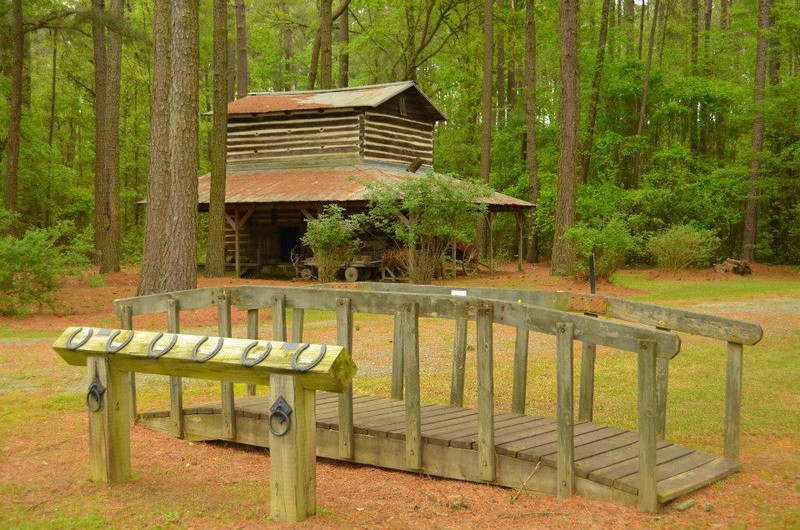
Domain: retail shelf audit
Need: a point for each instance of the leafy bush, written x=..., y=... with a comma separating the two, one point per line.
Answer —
x=610, y=245
x=683, y=246
x=332, y=239
x=31, y=266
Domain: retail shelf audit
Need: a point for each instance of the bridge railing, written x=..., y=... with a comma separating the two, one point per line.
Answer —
x=527, y=311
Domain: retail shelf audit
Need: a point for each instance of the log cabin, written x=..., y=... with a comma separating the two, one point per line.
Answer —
x=291, y=153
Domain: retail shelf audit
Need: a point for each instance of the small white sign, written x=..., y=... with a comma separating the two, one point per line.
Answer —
x=458, y=292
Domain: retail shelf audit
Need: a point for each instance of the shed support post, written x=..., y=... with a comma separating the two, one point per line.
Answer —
x=110, y=424
x=293, y=481
x=519, y=217
x=648, y=494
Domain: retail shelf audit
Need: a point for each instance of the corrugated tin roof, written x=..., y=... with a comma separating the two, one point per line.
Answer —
x=304, y=185
x=354, y=97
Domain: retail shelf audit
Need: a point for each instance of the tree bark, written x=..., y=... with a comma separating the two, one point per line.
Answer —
x=287, y=51
x=215, y=253
x=151, y=279
x=563, y=256
x=530, y=125
x=486, y=113
x=645, y=93
x=242, y=71
x=594, y=101
x=344, y=53
x=500, y=69
x=180, y=252
x=751, y=205
x=15, y=110
x=100, y=158
x=325, y=46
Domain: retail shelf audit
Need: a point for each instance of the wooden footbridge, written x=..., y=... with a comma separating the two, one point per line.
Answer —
x=562, y=455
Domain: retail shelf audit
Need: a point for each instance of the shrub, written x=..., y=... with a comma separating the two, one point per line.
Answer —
x=611, y=247
x=30, y=266
x=682, y=247
x=333, y=241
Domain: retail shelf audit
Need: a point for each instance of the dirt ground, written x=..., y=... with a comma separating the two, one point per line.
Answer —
x=44, y=469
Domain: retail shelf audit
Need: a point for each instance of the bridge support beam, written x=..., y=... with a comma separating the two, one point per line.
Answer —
x=648, y=435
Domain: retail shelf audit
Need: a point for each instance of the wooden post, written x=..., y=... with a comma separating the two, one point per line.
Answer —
x=397, y=357
x=297, y=324
x=486, y=451
x=126, y=322
x=648, y=494
x=519, y=217
x=490, y=224
x=279, y=317
x=110, y=423
x=733, y=400
x=411, y=375
x=519, y=384
x=586, y=400
x=662, y=380
x=252, y=333
x=226, y=387
x=459, y=363
x=565, y=459
x=293, y=482
x=175, y=382
x=344, y=334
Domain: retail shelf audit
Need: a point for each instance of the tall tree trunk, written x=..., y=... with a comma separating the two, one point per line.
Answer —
x=242, y=72
x=486, y=113
x=513, y=62
x=313, y=67
x=180, y=250
x=594, y=101
x=645, y=93
x=664, y=32
x=501, y=73
x=325, y=47
x=110, y=253
x=344, y=53
x=751, y=206
x=15, y=110
x=100, y=158
x=694, y=24
x=215, y=253
x=724, y=17
x=530, y=124
x=287, y=50
x=629, y=15
x=151, y=280
x=563, y=256
x=643, y=14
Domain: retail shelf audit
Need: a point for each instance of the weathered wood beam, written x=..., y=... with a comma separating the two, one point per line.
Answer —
x=487, y=457
x=648, y=439
x=565, y=460
x=344, y=336
x=412, y=386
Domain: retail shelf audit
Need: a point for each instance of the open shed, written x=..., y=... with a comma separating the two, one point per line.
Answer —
x=291, y=153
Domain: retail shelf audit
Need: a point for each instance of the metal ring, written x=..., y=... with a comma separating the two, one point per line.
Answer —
x=110, y=348
x=203, y=357
x=151, y=347
x=252, y=362
x=297, y=368
x=74, y=334
x=96, y=391
x=282, y=418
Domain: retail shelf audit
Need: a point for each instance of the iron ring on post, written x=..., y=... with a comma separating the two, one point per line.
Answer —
x=96, y=391
x=297, y=368
x=71, y=346
x=201, y=357
x=152, y=353
x=283, y=417
x=252, y=362
x=110, y=348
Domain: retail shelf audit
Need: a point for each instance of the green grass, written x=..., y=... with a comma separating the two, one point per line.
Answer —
x=662, y=290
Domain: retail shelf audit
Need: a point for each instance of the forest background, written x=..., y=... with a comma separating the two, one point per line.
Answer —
x=685, y=111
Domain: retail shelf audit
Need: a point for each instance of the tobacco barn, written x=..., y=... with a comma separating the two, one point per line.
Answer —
x=291, y=153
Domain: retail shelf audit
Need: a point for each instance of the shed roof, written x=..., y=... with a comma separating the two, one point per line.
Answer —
x=298, y=186
x=371, y=96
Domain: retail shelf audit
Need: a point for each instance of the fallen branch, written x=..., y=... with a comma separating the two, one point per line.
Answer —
x=524, y=484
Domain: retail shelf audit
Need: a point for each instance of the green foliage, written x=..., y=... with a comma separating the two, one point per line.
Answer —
x=682, y=247
x=435, y=210
x=332, y=238
x=611, y=246
x=31, y=266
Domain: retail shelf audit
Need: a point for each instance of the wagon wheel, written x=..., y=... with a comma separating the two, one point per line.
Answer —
x=469, y=263
x=307, y=273
x=351, y=274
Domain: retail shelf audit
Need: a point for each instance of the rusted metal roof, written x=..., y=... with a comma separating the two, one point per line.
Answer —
x=305, y=185
x=355, y=97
